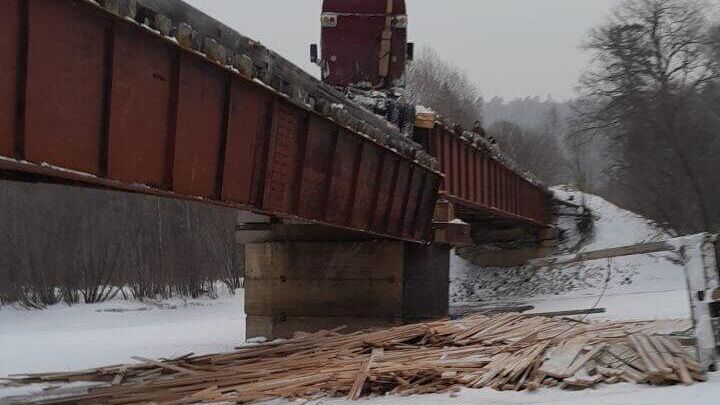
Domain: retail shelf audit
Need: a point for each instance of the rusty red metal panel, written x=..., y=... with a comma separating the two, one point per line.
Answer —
x=480, y=177
x=10, y=53
x=321, y=143
x=470, y=171
x=448, y=162
x=414, y=197
x=66, y=85
x=426, y=208
x=370, y=174
x=250, y=115
x=200, y=127
x=446, y=159
x=285, y=158
x=488, y=182
x=530, y=209
x=531, y=204
x=344, y=177
x=457, y=168
x=511, y=190
x=528, y=201
x=465, y=170
x=399, y=199
x=438, y=150
x=514, y=193
x=493, y=184
x=497, y=197
x=519, y=194
x=141, y=108
x=498, y=186
x=502, y=176
x=512, y=180
x=522, y=201
x=475, y=180
x=386, y=192
x=505, y=189
x=485, y=189
x=515, y=208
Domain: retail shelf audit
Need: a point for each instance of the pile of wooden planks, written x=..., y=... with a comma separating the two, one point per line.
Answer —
x=506, y=352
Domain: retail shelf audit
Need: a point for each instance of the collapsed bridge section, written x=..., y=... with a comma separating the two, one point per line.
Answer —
x=89, y=97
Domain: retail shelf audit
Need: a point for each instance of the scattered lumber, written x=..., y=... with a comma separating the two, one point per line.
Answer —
x=507, y=351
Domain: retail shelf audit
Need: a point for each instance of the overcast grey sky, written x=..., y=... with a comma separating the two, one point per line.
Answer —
x=510, y=48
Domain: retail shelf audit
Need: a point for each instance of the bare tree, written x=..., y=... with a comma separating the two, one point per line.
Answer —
x=447, y=89
x=224, y=252
x=538, y=150
x=59, y=243
x=643, y=94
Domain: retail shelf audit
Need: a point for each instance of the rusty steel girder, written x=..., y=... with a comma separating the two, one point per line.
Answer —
x=477, y=179
x=92, y=98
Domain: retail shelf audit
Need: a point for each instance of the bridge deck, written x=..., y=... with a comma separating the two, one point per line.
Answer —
x=89, y=97
x=480, y=184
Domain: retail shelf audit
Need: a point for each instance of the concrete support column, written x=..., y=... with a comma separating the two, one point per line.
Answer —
x=427, y=282
x=308, y=286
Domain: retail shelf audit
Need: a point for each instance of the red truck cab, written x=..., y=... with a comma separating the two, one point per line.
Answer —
x=364, y=43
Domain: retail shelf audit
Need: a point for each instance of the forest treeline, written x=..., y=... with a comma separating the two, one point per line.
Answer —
x=644, y=129
x=88, y=245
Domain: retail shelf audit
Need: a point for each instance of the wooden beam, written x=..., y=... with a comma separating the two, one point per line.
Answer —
x=569, y=312
x=643, y=248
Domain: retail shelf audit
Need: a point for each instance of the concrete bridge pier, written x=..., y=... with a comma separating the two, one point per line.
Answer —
x=302, y=277
x=509, y=244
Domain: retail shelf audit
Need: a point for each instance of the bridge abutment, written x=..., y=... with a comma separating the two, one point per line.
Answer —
x=307, y=286
x=509, y=245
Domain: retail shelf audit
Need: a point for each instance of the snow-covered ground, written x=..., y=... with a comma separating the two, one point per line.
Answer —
x=639, y=287
x=629, y=288
x=64, y=338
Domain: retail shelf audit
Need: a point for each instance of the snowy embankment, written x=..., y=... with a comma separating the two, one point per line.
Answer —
x=613, y=226
x=634, y=287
